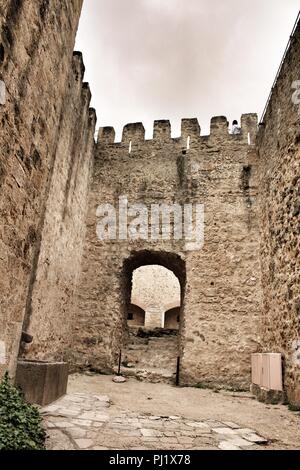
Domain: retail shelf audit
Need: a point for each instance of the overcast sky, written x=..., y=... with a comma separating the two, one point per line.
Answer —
x=172, y=59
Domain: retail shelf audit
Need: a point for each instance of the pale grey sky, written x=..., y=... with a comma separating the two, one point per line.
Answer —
x=172, y=59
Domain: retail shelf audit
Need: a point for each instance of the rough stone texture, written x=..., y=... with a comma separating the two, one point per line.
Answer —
x=220, y=283
x=50, y=308
x=119, y=379
x=46, y=153
x=268, y=396
x=42, y=382
x=152, y=284
x=278, y=147
x=45, y=138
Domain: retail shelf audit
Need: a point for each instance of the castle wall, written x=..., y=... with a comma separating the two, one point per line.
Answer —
x=50, y=305
x=279, y=157
x=36, y=44
x=221, y=282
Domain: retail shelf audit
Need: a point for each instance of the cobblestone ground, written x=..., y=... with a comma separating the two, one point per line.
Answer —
x=98, y=414
x=82, y=421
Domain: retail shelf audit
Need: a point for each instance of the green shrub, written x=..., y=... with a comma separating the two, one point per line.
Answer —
x=20, y=423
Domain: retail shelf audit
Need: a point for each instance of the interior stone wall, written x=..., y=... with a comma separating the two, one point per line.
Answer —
x=138, y=316
x=155, y=285
x=171, y=318
x=220, y=282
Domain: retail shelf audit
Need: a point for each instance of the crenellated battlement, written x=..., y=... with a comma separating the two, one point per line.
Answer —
x=78, y=68
x=190, y=128
x=162, y=130
x=78, y=65
x=219, y=126
x=134, y=133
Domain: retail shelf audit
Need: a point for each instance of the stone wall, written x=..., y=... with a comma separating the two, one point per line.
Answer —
x=155, y=285
x=50, y=304
x=46, y=160
x=44, y=96
x=279, y=157
x=220, y=283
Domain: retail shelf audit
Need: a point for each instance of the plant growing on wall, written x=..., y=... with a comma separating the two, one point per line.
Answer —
x=20, y=423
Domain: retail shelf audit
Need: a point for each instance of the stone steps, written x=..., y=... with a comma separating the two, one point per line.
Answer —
x=153, y=375
x=151, y=358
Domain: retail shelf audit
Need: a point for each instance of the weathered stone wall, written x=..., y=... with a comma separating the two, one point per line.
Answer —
x=155, y=285
x=279, y=158
x=50, y=304
x=36, y=44
x=220, y=283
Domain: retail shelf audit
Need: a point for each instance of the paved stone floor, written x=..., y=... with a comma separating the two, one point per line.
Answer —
x=88, y=420
x=82, y=421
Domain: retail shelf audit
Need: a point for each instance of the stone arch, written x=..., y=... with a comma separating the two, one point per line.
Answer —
x=154, y=289
x=138, y=315
x=172, y=318
x=171, y=261
x=152, y=350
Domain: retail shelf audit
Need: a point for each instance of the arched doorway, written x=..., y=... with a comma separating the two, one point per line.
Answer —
x=136, y=316
x=154, y=288
x=154, y=281
x=172, y=318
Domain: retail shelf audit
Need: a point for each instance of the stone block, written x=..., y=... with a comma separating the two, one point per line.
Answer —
x=225, y=445
x=42, y=382
x=268, y=396
x=255, y=438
